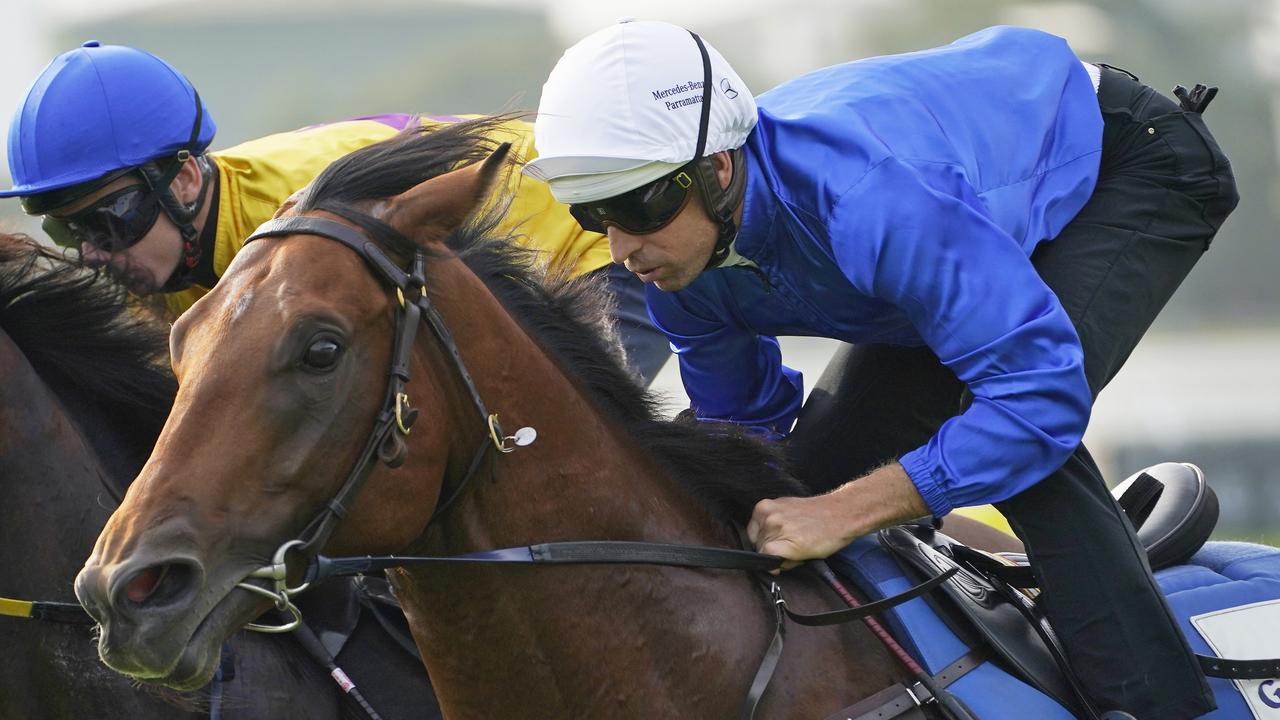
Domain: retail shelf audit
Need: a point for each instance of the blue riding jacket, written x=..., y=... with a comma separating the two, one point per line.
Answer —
x=897, y=200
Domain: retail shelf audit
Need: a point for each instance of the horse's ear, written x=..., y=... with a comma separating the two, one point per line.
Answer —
x=434, y=208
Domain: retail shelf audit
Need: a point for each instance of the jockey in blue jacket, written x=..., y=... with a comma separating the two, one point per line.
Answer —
x=992, y=224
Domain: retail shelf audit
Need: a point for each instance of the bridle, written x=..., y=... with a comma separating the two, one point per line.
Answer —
x=386, y=441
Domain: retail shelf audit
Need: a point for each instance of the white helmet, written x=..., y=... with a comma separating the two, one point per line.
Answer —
x=624, y=106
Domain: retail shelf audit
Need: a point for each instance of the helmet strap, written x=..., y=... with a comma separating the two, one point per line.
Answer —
x=182, y=215
x=722, y=202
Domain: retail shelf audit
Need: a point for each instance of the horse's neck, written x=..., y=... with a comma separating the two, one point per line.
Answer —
x=583, y=478
x=51, y=485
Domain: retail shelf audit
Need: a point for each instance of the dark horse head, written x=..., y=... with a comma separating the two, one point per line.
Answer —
x=82, y=397
x=283, y=369
x=105, y=359
x=84, y=389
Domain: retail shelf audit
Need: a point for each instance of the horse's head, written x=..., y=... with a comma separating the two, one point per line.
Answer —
x=301, y=332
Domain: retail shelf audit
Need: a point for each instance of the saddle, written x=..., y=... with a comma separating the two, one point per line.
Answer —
x=985, y=609
x=1173, y=511
x=1172, y=508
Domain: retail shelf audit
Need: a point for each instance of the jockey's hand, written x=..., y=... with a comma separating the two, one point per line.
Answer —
x=800, y=529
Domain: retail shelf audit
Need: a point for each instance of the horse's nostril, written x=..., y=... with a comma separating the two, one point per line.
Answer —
x=159, y=584
x=143, y=584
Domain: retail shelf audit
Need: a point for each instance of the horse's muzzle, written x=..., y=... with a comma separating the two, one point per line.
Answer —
x=148, y=609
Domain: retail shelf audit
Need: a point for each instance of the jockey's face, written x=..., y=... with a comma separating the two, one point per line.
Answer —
x=672, y=256
x=143, y=263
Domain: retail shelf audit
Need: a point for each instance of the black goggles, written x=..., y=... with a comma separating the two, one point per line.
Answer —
x=646, y=209
x=115, y=222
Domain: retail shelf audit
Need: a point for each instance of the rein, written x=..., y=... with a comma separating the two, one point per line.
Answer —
x=616, y=552
x=70, y=613
x=47, y=610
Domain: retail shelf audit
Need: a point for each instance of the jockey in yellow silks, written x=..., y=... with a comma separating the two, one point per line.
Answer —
x=137, y=192
x=255, y=178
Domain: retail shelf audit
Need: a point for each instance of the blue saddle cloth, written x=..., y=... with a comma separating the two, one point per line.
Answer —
x=1221, y=575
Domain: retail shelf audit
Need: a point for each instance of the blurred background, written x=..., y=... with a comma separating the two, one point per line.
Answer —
x=1202, y=387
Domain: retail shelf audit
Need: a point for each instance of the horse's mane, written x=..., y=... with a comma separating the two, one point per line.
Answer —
x=85, y=339
x=721, y=464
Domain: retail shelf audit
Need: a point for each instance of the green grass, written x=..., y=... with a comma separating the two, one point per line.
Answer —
x=1262, y=538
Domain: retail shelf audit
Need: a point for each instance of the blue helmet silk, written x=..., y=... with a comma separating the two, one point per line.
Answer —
x=100, y=109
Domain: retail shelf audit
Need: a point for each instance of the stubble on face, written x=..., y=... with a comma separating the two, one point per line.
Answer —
x=119, y=267
x=115, y=263
x=676, y=254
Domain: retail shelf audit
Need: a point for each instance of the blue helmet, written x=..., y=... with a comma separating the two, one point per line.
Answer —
x=98, y=111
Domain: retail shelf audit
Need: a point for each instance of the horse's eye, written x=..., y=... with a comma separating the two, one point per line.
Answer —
x=322, y=354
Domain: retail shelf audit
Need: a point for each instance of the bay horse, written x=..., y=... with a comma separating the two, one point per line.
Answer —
x=283, y=372
x=84, y=391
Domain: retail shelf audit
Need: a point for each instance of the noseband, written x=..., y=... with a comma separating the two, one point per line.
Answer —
x=386, y=441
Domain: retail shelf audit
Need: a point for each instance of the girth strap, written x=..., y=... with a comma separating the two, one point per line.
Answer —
x=902, y=702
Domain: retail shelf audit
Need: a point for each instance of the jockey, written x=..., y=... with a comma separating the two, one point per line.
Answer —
x=994, y=224
x=109, y=146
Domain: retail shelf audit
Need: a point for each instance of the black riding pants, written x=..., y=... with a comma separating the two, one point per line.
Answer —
x=1164, y=189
